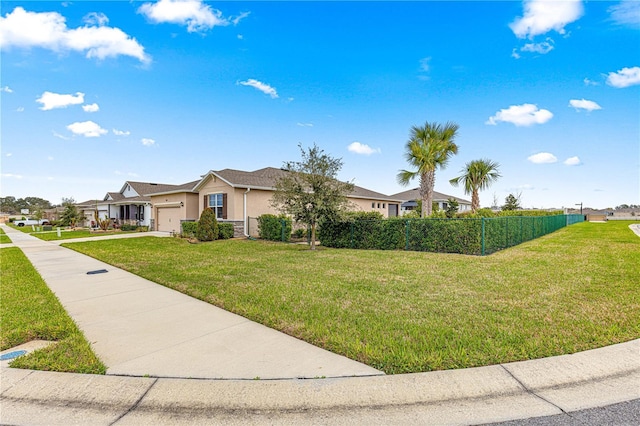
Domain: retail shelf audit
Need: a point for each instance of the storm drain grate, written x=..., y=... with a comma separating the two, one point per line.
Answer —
x=12, y=355
x=98, y=271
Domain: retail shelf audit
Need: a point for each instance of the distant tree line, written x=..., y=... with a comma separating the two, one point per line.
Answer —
x=13, y=205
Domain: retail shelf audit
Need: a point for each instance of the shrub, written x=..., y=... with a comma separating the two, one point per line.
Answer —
x=225, y=230
x=299, y=233
x=142, y=229
x=189, y=229
x=207, y=226
x=126, y=227
x=274, y=228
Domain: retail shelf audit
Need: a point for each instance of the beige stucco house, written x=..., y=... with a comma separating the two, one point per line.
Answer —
x=236, y=196
x=409, y=203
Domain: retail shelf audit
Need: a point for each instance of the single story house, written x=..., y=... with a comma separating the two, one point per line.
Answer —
x=236, y=196
x=409, y=201
x=131, y=205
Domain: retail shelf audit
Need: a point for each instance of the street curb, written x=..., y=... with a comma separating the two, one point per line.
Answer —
x=495, y=393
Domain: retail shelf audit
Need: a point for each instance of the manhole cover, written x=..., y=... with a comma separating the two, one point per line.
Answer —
x=12, y=355
x=99, y=271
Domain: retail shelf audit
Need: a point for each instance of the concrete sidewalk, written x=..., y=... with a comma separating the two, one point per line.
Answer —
x=127, y=320
x=138, y=328
x=455, y=397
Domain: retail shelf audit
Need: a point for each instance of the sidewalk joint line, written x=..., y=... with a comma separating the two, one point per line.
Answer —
x=135, y=405
x=531, y=391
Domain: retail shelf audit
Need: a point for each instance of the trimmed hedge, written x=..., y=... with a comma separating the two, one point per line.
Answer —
x=189, y=229
x=275, y=228
x=474, y=236
x=225, y=230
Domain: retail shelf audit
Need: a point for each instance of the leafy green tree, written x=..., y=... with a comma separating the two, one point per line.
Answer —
x=477, y=175
x=428, y=149
x=452, y=208
x=310, y=192
x=70, y=215
x=207, y=226
x=512, y=202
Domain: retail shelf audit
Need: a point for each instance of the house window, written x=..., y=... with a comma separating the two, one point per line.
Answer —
x=141, y=212
x=373, y=205
x=216, y=202
x=378, y=205
x=384, y=205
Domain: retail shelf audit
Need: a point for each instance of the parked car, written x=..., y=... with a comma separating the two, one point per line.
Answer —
x=29, y=222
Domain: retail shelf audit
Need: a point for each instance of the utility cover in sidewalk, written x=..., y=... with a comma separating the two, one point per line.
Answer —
x=11, y=355
x=99, y=271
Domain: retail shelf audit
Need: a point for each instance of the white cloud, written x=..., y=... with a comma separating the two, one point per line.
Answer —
x=196, y=15
x=572, y=161
x=91, y=108
x=364, y=149
x=88, y=129
x=624, y=78
x=305, y=124
x=59, y=136
x=542, y=48
x=627, y=12
x=8, y=154
x=50, y=158
x=236, y=20
x=20, y=109
x=542, y=16
x=121, y=132
x=521, y=115
x=263, y=87
x=51, y=100
x=11, y=176
x=240, y=37
x=6, y=89
x=147, y=142
x=424, y=64
x=588, y=82
x=584, y=104
x=95, y=18
x=542, y=158
x=48, y=30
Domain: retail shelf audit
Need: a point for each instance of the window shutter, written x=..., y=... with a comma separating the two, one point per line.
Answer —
x=224, y=206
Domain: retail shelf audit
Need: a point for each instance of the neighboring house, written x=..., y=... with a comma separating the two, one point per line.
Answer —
x=409, y=201
x=131, y=205
x=236, y=195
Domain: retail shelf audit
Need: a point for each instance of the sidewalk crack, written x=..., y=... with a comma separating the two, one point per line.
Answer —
x=135, y=405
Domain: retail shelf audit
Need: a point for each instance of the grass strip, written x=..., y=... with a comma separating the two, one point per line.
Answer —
x=80, y=233
x=31, y=311
x=4, y=238
x=401, y=312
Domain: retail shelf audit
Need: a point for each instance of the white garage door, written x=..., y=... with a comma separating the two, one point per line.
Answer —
x=169, y=219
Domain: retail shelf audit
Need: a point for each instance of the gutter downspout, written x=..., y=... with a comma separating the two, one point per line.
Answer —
x=244, y=211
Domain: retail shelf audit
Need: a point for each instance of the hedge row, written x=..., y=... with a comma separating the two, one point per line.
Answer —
x=275, y=228
x=476, y=236
x=225, y=230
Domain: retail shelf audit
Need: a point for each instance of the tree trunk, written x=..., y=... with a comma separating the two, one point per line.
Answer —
x=312, y=243
x=427, y=182
x=475, y=201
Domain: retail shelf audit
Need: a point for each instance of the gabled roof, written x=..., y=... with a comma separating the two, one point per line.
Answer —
x=414, y=194
x=172, y=189
x=266, y=179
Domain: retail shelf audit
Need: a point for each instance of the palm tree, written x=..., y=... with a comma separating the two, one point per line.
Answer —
x=477, y=175
x=428, y=148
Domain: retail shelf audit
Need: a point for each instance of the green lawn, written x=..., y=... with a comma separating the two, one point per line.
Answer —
x=31, y=311
x=575, y=289
x=66, y=234
x=4, y=238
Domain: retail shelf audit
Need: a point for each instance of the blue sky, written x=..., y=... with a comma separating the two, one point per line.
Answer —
x=97, y=93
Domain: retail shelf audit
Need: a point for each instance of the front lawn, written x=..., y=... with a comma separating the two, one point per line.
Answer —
x=4, y=238
x=78, y=233
x=572, y=290
x=31, y=311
